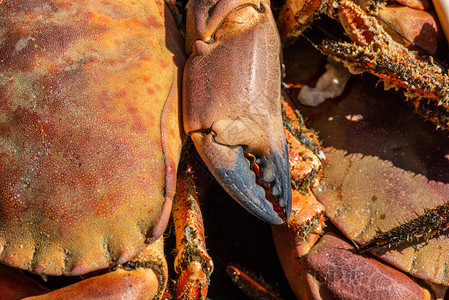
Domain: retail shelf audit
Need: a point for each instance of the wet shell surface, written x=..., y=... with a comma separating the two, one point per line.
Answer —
x=89, y=131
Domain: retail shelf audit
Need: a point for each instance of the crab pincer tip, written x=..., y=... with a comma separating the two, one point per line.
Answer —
x=240, y=183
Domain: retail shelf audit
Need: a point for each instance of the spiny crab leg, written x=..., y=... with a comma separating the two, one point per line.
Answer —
x=231, y=101
x=192, y=262
x=306, y=222
x=397, y=67
x=425, y=226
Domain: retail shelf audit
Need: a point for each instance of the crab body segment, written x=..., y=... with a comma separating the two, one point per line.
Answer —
x=67, y=107
x=91, y=137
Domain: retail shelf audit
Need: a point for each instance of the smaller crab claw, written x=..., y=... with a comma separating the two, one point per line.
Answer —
x=231, y=102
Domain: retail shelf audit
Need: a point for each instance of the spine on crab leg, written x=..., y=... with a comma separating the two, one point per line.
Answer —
x=253, y=286
x=192, y=262
x=425, y=84
x=426, y=226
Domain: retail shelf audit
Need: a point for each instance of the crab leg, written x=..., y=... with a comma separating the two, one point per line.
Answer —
x=192, y=261
x=143, y=277
x=231, y=101
x=14, y=284
x=330, y=269
x=398, y=68
x=307, y=219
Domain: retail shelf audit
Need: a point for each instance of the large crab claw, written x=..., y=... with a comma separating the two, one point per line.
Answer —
x=231, y=102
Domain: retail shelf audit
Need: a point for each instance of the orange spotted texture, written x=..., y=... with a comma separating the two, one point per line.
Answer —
x=192, y=263
x=136, y=284
x=89, y=130
x=303, y=148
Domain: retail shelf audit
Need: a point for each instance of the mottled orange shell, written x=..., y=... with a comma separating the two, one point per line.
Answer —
x=89, y=131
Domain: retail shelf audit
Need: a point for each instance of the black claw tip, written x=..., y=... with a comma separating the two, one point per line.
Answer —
x=240, y=183
x=276, y=168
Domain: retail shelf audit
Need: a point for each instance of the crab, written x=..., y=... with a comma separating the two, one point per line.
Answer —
x=91, y=139
x=369, y=186
x=327, y=270
x=366, y=196
x=381, y=50
x=83, y=109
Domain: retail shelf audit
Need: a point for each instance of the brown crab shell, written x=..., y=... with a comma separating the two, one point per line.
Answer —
x=89, y=131
x=379, y=175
